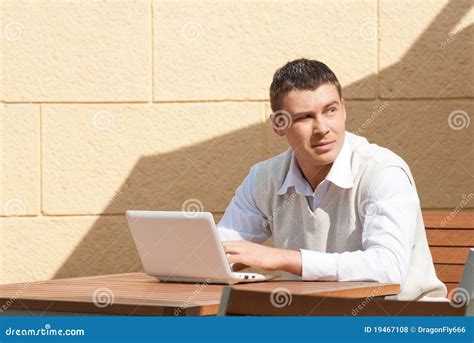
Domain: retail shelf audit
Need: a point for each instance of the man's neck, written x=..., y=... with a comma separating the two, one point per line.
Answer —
x=314, y=174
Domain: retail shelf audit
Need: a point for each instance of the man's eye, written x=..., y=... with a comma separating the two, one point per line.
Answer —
x=332, y=110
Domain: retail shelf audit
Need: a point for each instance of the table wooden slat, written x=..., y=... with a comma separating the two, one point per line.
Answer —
x=141, y=294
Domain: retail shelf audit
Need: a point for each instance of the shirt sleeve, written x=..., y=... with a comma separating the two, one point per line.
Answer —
x=389, y=225
x=242, y=219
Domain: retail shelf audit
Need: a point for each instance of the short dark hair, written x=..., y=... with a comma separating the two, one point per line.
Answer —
x=300, y=74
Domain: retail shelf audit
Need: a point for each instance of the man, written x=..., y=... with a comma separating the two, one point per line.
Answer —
x=337, y=207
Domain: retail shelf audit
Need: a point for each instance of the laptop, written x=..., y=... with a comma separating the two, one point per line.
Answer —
x=183, y=247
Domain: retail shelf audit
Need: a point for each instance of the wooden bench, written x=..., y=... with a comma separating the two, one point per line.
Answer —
x=449, y=236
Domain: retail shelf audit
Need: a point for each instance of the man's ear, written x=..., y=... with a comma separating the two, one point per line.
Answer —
x=277, y=127
x=343, y=106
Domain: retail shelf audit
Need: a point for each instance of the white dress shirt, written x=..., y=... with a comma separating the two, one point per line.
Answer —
x=393, y=225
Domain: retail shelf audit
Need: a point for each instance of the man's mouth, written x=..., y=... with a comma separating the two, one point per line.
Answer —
x=323, y=146
x=323, y=143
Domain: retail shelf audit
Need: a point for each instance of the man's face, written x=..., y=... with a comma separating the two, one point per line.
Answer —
x=317, y=117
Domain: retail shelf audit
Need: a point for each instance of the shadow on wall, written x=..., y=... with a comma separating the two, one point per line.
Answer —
x=108, y=247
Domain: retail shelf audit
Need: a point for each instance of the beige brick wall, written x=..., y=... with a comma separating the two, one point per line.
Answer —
x=112, y=105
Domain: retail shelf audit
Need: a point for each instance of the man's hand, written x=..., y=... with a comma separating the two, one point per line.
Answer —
x=245, y=253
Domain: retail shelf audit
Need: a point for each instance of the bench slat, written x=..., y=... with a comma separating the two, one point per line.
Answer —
x=444, y=220
x=449, y=272
x=451, y=237
x=449, y=255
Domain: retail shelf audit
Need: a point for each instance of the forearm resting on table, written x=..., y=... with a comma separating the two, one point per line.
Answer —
x=290, y=261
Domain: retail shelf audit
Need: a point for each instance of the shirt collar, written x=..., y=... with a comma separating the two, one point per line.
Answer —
x=340, y=173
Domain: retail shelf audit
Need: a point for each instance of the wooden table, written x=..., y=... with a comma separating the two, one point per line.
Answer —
x=141, y=294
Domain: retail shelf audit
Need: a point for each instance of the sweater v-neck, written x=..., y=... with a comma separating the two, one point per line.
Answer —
x=327, y=199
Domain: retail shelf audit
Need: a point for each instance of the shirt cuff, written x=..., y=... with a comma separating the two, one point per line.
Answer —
x=318, y=266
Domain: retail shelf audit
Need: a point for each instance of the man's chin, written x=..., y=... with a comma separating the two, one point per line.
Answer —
x=324, y=158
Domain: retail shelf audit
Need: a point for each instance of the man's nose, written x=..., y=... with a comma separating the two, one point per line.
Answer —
x=320, y=126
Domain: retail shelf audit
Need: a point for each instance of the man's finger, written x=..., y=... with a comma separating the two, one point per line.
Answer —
x=232, y=258
x=232, y=248
x=238, y=266
x=232, y=243
x=236, y=259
